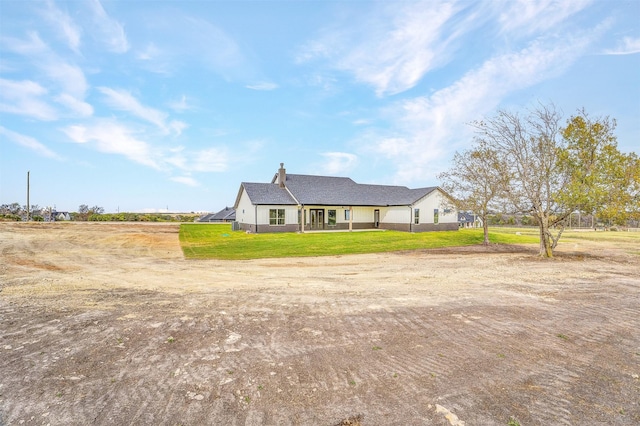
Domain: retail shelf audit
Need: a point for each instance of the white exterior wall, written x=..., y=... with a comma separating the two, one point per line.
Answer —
x=246, y=212
x=290, y=214
x=363, y=214
x=398, y=214
x=435, y=200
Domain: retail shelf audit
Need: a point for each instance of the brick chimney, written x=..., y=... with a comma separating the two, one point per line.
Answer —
x=282, y=175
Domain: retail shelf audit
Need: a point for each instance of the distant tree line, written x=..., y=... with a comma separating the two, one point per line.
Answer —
x=141, y=217
x=17, y=212
x=576, y=220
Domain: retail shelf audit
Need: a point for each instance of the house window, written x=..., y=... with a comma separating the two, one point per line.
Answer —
x=332, y=217
x=347, y=215
x=435, y=215
x=276, y=216
x=416, y=216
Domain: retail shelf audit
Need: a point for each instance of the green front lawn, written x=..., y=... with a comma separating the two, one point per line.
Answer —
x=218, y=241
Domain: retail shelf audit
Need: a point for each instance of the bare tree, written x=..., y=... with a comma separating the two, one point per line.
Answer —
x=96, y=210
x=83, y=213
x=553, y=171
x=476, y=180
x=529, y=146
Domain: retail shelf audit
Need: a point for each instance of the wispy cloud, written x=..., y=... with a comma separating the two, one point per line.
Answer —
x=205, y=161
x=265, y=86
x=392, y=48
x=32, y=45
x=65, y=82
x=69, y=77
x=339, y=163
x=180, y=105
x=66, y=27
x=193, y=40
x=108, y=30
x=186, y=180
x=525, y=17
x=626, y=46
x=28, y=142
x=79, y=107
x=113, y=138
x=25, y=98
x=430, y=126
x=125, y=101
x=210, y=160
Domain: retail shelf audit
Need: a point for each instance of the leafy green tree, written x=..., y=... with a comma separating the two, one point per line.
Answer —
x=602, y=180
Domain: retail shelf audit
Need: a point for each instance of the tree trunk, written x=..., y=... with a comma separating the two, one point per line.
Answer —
x=545, y=239
x=485, y=227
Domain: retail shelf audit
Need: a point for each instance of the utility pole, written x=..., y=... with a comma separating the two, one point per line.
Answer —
x=28, y=206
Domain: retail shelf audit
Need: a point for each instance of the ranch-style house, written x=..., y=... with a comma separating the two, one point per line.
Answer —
x=299, y=203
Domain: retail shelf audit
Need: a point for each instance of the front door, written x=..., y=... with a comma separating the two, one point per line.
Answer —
x=376, y=218
x=316, y=218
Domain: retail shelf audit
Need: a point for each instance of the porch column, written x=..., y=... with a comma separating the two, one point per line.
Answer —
x=350, y=218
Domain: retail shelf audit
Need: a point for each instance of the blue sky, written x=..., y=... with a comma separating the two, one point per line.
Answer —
x=156, y=105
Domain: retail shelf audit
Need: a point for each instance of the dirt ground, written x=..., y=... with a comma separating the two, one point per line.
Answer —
x=108, y=324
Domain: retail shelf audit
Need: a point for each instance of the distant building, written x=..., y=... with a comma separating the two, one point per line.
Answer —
x=59, y=216
x=468, y=220
x=227, y=214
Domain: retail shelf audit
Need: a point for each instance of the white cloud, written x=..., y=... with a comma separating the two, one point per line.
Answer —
x=393, y=48
x=108, y=30
x=28, y=142
x=339, y=163
x=67, y=79
x=79, y=107
x=186, y=180
x=24, y=98
x=65, y=25
x=125, y=101
x=31, y=46
x=193, y=40
x=180, y=105
x=209, y=160
x=626, y=46
x=205, y=161
x=149, y=53
x=426, y=128
x=266, y=86
x=113, y=138
x=524, y=17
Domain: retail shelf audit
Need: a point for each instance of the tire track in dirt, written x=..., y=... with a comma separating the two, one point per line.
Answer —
x=400, y=341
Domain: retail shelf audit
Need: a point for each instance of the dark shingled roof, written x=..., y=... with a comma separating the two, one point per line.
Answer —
x=267, y=193
x=332, y=191
x=225, y=214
